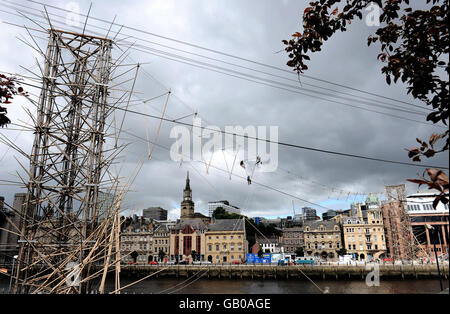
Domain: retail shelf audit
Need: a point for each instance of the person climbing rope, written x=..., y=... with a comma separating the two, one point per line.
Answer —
x=258, y=161
x=249, y=181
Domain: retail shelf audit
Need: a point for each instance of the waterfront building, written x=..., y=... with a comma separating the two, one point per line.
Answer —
x=226, y=241
x=187, y=236
x=136, y=240
x=292, y=239
x=269, y=245
x=155, y=213
x=212, y=206
x=322, y=239
x=161, y=242
x=364, y=235
x=422, y=213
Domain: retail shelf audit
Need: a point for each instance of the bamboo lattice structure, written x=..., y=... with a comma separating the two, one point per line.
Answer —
x=69, y=225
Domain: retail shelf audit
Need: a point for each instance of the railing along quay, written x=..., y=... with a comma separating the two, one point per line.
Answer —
x=254, y=271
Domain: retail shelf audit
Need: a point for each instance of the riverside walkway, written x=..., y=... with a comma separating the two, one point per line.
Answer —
x=255, y=271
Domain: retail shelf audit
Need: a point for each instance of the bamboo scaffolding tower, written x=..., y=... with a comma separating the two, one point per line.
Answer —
x=70, y=221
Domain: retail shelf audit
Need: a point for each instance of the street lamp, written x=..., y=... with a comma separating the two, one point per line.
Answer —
x=435, y=232
x=12, y=272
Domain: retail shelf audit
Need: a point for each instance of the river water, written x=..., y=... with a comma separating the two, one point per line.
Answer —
x=291, y=286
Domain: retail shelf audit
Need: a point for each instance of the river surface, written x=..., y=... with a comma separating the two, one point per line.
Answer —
x=291, y=286
x=236, y=286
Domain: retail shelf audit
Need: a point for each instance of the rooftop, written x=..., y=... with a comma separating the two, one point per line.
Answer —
x=227, y=225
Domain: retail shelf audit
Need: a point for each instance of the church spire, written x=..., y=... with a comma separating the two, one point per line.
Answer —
x=188, y=187
x=187, y=205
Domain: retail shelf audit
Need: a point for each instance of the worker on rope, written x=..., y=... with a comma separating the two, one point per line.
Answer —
x=249, y=181
x=258, y=161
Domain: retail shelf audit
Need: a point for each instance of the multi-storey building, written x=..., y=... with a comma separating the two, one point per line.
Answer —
x=155, y=213
x=226, y=241
x=322, y=239
x=309, y=214
x=106, y=204
x=292, y=239
x=212, y=206
x=363, y=233
x=430, y=225
x=136, y=240
x=335, y=214
x=161, y=241
x=188, y=236
x=10, y=222
x=269, y=245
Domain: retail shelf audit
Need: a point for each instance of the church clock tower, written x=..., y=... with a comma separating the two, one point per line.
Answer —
x=187, y=205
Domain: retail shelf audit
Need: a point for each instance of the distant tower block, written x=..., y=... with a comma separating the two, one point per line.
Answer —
x=67, y=160
x=187, y=205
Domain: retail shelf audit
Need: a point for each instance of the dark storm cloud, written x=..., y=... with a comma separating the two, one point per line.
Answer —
x=253, y=30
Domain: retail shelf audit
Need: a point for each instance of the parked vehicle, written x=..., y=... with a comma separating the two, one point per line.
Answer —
x=170, y=263
x=282, y=262
x=196, y=262
x=304, y=261
x=153, y=263
x=206, y=263
x=236, y=262
x=183, y=262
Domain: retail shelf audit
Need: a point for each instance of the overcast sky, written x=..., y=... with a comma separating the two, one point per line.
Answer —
x=251, y=30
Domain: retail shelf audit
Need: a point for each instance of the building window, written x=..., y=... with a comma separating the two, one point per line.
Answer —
x=217, y=247
x=209, y=247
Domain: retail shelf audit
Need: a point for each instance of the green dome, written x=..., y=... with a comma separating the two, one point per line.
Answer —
x=372, y=199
